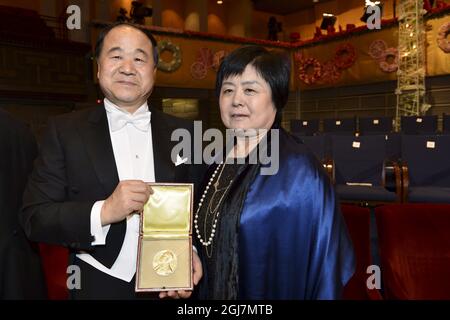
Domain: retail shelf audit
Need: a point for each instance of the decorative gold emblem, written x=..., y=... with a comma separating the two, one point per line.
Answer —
x=165, y=262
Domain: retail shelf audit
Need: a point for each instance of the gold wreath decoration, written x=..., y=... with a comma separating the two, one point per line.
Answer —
x=175, y=63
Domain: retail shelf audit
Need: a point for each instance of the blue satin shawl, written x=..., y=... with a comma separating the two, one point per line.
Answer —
x=293, y=242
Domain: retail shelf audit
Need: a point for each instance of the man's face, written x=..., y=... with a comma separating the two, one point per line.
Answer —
x=126, y=70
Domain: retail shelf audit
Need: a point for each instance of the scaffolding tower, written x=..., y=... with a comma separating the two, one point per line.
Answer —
x=411, y=52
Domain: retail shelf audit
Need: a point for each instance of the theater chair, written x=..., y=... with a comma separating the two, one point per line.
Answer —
x=414, y=244
x=426, y=168
x=419, y=124
x=446, y=123
x=305, y=127
x=357, y=220
x=375, y=125
x=382, y=126
x=318, y=145
x=393, y=146
x=55, y=261
x=361, y=172
x=345, y=126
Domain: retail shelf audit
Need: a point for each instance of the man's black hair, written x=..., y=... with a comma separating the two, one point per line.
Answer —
x=106, y=30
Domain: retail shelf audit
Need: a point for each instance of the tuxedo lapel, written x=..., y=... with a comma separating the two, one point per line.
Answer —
x=162, y=148
x=99, y=147
x=97, y=140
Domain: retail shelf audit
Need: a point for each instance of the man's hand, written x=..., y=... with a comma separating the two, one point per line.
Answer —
x=197, y=274
x=129, y=196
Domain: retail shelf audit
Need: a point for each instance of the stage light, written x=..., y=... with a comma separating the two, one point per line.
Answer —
x=371, y=4
x=328, y=20
x=139, y=12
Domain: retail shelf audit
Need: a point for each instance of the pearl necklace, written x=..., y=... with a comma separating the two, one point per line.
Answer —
x=216, y=185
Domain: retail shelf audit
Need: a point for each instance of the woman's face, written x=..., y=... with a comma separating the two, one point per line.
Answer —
x=246, y=101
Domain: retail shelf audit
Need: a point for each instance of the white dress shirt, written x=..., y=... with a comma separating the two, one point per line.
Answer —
x=133, y=153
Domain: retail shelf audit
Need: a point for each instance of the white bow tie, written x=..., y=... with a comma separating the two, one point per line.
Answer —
x=141, y=121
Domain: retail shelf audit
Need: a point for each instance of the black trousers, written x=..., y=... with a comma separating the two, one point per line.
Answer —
x=96, y=285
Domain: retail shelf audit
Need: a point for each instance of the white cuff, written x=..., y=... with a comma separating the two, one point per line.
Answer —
x=97, y=230
x=194, y=249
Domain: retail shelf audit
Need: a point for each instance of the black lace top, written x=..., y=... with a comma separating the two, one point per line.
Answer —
x=215, y=197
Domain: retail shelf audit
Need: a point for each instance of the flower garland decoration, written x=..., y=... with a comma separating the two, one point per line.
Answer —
x=298, y=60
x=298, y=57
x=199, y=69
x=377, y=48
x=206, y=59
x=330, y=72
x=442, y=41
x=310, y=78
x=386, y=66
x=206, y=56
x=379, y=51
x=175, y=63
x=345, y=56
x=218, y=58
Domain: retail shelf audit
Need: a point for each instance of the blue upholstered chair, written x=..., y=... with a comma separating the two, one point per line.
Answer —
x=419, y=125
x=318, y=145
x=393, y=146
x=305, y=127
x=375, y=125
x=346, y=126
x=446, y=123
x=361, y=172
x=426, y=168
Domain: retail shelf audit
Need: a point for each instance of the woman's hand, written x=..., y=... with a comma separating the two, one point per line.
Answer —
x=197, y=274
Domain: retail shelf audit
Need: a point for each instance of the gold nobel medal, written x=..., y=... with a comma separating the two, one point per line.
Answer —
x=165, y=262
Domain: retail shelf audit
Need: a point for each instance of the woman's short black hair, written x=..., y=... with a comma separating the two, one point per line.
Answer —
x=106, y=30
x=274, y=67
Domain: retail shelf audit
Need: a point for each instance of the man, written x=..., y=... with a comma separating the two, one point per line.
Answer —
x=21, y=275
x=89, y=181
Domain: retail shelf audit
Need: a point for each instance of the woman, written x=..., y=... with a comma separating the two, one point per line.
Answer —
x=261, y=236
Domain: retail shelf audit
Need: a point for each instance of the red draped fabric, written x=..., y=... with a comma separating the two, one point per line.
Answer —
x=414, y=242
x=358, y=224
x=55, y=260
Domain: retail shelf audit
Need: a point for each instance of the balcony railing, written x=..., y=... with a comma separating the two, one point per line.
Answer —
x=58, y=25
